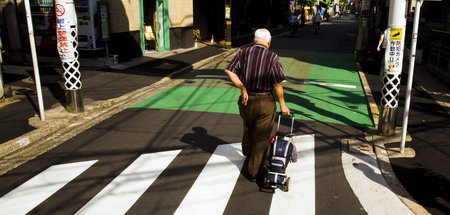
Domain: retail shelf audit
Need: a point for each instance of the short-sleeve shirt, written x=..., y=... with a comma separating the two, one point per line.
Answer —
x=258, y=68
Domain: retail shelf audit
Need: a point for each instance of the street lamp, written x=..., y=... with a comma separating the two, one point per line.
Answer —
x=412, y=59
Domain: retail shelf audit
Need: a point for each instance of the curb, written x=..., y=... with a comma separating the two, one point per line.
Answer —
x=58, y=129
x=381, y=153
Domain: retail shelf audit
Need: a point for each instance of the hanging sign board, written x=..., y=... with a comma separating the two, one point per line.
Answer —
x=66, y=29
x=393, y=57
x=104, y=20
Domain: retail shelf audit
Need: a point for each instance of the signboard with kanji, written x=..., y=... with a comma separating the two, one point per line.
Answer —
x=394, y=51
x=66, y=29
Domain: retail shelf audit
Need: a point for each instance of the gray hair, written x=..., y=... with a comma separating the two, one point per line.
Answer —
x=262, y=35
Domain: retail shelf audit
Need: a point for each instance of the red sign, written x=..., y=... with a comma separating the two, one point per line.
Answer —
x=60, y=10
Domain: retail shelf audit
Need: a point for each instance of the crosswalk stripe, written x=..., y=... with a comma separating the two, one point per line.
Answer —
x=212, y=189
x=118, y=196
x=301, y=196
x=30, y=194
x=369, y=186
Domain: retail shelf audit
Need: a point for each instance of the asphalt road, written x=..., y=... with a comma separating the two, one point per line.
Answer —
x=178, y=151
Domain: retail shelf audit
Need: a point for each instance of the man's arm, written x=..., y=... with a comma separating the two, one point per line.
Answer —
x=280, y=94
x=380, y=42
x=238, y=83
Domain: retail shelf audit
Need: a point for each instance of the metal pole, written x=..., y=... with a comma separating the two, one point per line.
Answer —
x=2, y=91
x=228, y=23
x=393, y=62
x=363, y=30
x=412, y=58
x=35, y=61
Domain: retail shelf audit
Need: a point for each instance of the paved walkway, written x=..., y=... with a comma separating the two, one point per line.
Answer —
x=426, y=174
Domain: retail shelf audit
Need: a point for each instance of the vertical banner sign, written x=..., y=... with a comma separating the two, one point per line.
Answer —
x=227, y=12
x=104, y=20
x=66, y=23
x=365, y=7
x=394, y=49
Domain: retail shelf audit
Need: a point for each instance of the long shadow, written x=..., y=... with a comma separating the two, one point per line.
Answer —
x=50, y=79
x=201, y=138
x=430, y=189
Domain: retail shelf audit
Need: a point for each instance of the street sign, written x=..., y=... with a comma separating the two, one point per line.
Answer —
x=227, y=12
x=396, y=34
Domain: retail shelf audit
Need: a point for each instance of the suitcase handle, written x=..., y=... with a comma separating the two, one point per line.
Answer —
x=279, y=120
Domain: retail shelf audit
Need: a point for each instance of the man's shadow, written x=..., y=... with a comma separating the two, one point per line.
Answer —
x=200, y=138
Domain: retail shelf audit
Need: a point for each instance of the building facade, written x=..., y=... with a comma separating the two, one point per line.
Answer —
x=136, y=27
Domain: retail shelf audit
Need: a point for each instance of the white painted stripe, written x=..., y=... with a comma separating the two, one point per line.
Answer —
x=323, y=84
x=212, y=189
x=36, y=190
x=365, y=179
x=300, y=199
x=211, y=76
x=118, y=196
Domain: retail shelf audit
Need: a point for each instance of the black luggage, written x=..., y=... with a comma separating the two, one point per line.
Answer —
x=281, y=152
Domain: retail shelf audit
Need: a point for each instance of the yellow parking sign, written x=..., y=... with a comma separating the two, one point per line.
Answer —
x=396, y=34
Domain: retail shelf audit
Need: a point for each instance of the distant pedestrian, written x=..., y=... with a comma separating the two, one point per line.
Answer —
x=382, y=42
x=381, y=48
x=256, y=71
x=317, y=19
x=293, y=21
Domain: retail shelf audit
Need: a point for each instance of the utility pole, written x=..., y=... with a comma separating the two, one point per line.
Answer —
x=363, y=30
x=393, y=62
x=228, y=23
x=67, y=43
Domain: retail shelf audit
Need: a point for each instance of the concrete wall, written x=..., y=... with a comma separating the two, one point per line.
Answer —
x=181, y=13
x=125, y=24
x=124, y=15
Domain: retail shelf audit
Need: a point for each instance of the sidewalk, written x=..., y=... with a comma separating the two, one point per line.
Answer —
x=423, y=173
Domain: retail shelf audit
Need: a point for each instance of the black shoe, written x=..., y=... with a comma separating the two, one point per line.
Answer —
x=251, y=178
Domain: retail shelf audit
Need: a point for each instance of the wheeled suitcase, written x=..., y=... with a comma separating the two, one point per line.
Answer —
x=281, y=152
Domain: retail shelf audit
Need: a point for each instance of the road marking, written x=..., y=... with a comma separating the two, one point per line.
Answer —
x=118, y=196
x=211, y=76
x=323, y=84
x=36, y=190
x=365, y=179
x=292, y=81
x=212, y=189
x=301, y=196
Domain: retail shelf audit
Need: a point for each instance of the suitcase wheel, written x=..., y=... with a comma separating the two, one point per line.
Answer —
x=285, y=186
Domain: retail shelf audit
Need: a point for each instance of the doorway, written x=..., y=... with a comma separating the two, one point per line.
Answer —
x=150, y=21
x=155, y=25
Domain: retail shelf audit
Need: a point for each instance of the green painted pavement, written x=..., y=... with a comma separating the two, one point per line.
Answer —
x=310, y=102
x=218, y=100
x=332, y=104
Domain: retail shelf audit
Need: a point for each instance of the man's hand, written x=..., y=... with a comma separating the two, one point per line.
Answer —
x=244, y=96
x=285, y=110
x=238, y=83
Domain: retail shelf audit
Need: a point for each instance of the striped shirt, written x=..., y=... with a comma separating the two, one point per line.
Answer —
x=258, y=68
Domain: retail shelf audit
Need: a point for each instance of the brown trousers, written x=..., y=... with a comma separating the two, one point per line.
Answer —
x=258, y=117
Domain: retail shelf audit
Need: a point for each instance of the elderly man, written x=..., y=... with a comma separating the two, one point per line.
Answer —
x=256, y=71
